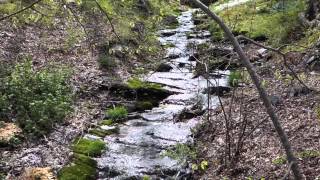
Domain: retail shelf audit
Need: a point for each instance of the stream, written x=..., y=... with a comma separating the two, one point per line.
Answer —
x=137, y=150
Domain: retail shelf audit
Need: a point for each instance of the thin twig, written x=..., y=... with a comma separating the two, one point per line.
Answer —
x=20, y=11
x=109, y=19
x=277, y=51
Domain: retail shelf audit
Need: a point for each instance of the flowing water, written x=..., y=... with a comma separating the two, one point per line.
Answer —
x=137, y=150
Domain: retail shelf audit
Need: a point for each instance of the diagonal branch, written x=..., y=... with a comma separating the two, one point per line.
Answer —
x=20, y=11
x=263, y=94
x=109, y=19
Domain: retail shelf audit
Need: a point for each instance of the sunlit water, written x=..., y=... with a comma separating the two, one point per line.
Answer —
x=138, y=148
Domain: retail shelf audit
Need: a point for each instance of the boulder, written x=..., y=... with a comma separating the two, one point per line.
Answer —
x=163, y=67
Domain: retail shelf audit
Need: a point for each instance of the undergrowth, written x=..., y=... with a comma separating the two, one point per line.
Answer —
x=36, y=98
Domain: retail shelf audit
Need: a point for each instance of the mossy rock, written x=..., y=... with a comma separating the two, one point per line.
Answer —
x=139, y=90
x=107, y=122
x=83, y=159
x=144, y=105
x=88, y=147
x=104, y=130
x=82, y=168
x=78, y=172
x=110, y=129
x=98, y=132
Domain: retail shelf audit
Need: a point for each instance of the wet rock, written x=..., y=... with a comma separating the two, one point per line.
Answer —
x=181, y=65
x=163, y=67
x=217, y=90
x=173, y=56
x=194, y=57
x=189, y=114
x=170, y=21
x=198, y=21
x=168, y=33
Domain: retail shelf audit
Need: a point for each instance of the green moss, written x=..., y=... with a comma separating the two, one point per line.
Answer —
x=104, y=132
x=88, y=147
x=258, y=19
x=107, y=122
x=77, y=172
x=144, y=105
x=136, y=83
x=83, y=159
x=309, y=154
x=81, y=168
x=279, y=161
x=117, y=113
x=98, y=132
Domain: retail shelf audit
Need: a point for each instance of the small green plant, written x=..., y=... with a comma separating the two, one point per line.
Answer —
x=234, y=78
x=146, y=177
x=88, y=147
x=182, y=153
x=303, y=154
x=117, y=113
x=279, y=161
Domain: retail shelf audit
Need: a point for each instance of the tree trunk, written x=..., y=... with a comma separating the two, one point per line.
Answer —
x=263, y=94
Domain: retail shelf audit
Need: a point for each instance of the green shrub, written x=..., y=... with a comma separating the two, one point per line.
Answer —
x=182, y=152
x=117, y=113
x=88, y=147
x=234, y=78
x=38, y=99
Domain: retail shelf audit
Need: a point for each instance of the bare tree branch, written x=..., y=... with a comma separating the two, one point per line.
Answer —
x=20, y=11
x=263, y=94
x=109, y=19
x=276, y=51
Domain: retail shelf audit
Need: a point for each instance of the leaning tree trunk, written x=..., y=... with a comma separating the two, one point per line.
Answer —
x=263, y=94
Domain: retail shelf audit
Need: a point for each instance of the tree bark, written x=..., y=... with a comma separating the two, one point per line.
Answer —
x=263, y=94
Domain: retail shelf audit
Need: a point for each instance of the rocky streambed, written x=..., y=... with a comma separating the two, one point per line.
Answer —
x=137, y=150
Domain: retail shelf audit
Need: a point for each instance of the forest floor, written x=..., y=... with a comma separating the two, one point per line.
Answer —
x=251, y=133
